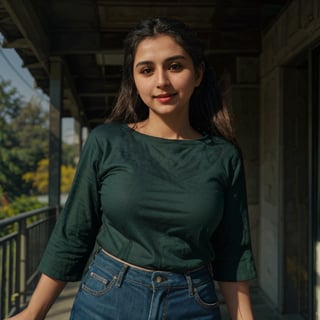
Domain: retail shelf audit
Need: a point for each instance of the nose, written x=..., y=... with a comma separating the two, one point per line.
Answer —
x=162, y=79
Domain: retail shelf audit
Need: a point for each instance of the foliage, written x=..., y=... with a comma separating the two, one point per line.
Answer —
x=31, y=128
x=10, y=105
x=24, y=144
x=70, y=154
x=67, y=175
x=39, y=178
x=21, y=204
x=23, y=140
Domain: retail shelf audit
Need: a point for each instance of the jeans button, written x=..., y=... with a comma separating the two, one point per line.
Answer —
x=160, y=279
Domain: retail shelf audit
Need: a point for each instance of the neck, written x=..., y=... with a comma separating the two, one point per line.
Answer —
x=168, y=128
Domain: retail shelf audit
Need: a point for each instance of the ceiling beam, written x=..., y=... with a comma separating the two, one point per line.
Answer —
x=73, y=43
x=30, y=66
x=21, y=43
x=94, y=94
x=147, y=3
x=24, y=16
x=91, y=86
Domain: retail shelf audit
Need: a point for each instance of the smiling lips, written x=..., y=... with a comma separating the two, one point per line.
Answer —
x=165, y=98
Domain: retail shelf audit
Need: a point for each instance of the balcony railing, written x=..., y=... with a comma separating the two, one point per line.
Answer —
x=23, y=239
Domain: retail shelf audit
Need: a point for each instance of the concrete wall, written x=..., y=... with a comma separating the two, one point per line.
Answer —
x=270, y=185
x=294, y=32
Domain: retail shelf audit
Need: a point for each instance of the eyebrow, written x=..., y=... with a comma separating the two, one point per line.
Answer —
x=166, y=60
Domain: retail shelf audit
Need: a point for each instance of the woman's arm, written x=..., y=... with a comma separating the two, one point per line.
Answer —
x=237, y=297
x=44, y=296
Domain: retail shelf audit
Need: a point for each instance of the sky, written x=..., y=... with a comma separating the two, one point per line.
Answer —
x=11, y=69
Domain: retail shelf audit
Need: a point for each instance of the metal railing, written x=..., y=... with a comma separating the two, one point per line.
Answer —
x=23, y=239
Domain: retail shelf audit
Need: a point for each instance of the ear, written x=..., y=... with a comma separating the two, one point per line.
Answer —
x=199, y=74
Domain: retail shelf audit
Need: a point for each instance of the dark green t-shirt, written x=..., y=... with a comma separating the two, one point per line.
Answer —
x=158, y=203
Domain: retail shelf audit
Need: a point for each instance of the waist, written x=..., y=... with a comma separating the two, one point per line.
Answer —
x=207, y=266
x=125, y=262
x=106, y=261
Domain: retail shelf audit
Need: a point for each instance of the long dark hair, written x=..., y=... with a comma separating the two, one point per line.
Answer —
x=207, y=112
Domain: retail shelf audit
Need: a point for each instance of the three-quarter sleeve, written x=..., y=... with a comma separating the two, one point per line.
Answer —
x=74, y=235
x=231, y=242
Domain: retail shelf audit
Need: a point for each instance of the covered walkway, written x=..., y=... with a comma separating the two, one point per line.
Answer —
x=267, y=57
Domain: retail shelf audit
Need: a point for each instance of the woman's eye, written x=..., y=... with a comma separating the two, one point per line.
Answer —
x=146, y=71
x=175, y=67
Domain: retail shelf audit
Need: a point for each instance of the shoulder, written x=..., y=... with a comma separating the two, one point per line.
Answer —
x=227, y=156
x=105, y=133
x=227, y=151
x=100, y=139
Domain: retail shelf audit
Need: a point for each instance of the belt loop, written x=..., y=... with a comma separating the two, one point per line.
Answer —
x=96, y=252
x=190, y=284
x=94, y=255
x=121, y=275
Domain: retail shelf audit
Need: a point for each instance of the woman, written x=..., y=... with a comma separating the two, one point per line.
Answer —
x=160, y=187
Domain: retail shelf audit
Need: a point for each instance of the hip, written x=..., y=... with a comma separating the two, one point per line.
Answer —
x=113, y=289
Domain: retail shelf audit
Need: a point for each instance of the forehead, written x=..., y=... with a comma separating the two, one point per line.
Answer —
x=157, y=47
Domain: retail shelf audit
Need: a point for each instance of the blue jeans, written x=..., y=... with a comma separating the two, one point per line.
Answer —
x=111, y=290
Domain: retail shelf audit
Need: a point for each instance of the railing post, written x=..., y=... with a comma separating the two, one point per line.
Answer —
x=15, y=298
x=23, y=261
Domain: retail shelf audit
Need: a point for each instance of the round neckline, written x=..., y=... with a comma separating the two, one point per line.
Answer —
x=144, y=136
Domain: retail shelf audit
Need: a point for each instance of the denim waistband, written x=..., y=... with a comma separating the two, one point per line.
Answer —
x=154, y=278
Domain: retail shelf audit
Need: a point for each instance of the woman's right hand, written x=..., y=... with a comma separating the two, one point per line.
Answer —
x=23, y=315
x=43, y=297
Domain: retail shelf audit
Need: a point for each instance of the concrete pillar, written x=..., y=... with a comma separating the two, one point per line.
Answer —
x=295, y=278
x=270, y=198
x=55, y=130
x=314, y=181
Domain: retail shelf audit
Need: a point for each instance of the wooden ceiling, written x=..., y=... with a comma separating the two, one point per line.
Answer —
x=87, y=36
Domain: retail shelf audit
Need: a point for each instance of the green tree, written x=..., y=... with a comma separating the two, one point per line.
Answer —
x=23, y=140
x=20, y=204
x=10, y=106
x=32, y=134
x=70, y=154
x=39, y=178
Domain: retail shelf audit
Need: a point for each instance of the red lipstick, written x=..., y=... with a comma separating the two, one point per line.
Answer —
x=165, y=98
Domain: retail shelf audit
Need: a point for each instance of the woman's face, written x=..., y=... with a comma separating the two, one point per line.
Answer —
x=165, y=76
